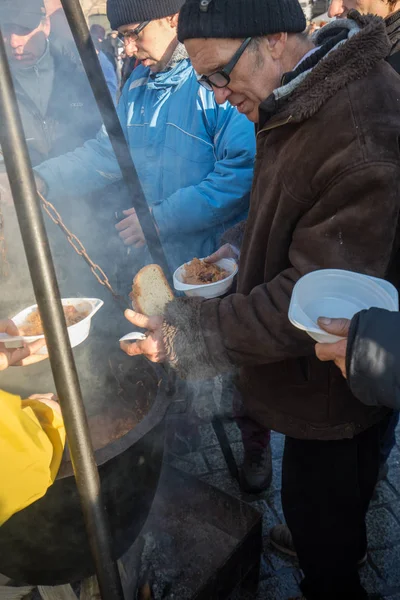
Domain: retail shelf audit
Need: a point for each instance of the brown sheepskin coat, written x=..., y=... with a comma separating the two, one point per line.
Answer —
x=326, y=194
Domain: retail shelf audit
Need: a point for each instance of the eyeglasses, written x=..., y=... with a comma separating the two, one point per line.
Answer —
x=131, y=35
x=221, y=78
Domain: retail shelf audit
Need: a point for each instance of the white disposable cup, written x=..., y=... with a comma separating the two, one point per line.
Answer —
x=336, y=293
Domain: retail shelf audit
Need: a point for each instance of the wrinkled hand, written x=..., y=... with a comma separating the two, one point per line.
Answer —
x=130, y=231
x=337, y=351
x=18, y=357
x=49, y=400
x=153, y=346
x=226, y=251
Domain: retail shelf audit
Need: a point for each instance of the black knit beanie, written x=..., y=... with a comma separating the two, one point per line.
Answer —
x=239, y=18
x=124, y=12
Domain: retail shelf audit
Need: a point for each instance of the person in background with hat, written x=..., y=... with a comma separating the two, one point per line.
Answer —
x=193, y=156
x=324, y=195
x=98, y=33
x=53, y=95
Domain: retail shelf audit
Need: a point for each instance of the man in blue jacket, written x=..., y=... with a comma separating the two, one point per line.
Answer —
x=194, y=158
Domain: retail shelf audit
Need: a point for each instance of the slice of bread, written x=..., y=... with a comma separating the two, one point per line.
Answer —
x=151, y=291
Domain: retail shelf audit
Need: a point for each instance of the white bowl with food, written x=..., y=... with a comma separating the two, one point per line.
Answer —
x=207, y=280
x=78, y=315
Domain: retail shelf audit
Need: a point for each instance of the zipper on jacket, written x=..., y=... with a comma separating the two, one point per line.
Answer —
x=44, y=122
x=276, y=125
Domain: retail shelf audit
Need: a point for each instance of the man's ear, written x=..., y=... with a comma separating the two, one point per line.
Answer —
x=46, y=26
x=276, y=43
x=173, y=20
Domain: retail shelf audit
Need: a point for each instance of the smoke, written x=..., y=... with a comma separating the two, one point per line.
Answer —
x=91, y=217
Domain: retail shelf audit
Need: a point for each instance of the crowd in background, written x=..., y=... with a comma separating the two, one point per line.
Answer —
x=189, y=81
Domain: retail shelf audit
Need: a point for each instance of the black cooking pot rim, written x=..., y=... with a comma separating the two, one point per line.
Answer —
x=151, y=420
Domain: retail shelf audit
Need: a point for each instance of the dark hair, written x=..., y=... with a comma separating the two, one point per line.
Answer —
x=97, y=31
x=392, y=3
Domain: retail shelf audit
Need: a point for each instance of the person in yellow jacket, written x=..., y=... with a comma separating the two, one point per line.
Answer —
x=32, y=435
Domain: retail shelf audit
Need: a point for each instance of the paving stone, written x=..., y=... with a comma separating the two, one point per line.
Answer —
x=274, y=502
x=277, y=444
x=393, y=477
x=277, y=559
x=269, y=517
x=224, y=482
x=215, y=459
x=208, y=437
x=276, y=483
x=233, y=431
x=382, y=528
x=190, y=463
x=394, y=457
x=387, y=562
x=238, y=452
x=383, y=494
x=370, y=580
x=278, y=588
x=395, y=508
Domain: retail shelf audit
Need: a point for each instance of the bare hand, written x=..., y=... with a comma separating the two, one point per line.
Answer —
x=18, y=357
x=49, y=400
x=153, y=346
x=337, y=351
x=226, y=251
x=130, y=231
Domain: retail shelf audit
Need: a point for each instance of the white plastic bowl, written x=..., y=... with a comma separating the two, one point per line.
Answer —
x=207, y=290
x=337, y=293
x=77, y=333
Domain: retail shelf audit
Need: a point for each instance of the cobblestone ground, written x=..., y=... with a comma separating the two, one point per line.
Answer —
x=280, y=575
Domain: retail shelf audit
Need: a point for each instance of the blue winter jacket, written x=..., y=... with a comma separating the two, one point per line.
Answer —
x=194, y=159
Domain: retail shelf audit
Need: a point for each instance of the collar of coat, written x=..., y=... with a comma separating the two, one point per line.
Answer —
x=348, y=50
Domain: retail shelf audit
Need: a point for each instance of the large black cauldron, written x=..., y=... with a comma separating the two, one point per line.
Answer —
x=124, y=398
x=126, y=401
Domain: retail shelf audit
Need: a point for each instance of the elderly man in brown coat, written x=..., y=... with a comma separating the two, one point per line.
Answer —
x=325, y=195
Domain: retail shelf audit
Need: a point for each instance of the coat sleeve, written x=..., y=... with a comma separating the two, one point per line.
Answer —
x=373, y=358
x=31, y=444
x=87, y=169
x=224, y=193
x=352, y=226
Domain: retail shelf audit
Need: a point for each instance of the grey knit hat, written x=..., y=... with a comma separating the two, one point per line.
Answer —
x=239, y=18
x=124, y=12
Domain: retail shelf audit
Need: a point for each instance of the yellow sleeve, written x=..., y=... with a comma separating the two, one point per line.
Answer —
x=32, y=440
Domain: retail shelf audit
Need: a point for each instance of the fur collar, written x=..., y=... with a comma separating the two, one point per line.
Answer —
x=366, y=45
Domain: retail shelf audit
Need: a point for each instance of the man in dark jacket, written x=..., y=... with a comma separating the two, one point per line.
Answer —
x=368, y=356
x=389, y=10
x=54, y=98
x=325, y=195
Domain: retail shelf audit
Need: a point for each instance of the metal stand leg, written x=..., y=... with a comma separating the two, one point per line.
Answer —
x=225, y=447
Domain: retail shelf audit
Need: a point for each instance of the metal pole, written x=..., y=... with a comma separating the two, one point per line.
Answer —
x=19, y=170
x=90, y=61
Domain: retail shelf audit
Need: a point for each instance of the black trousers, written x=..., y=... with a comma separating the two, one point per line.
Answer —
x=326, y=490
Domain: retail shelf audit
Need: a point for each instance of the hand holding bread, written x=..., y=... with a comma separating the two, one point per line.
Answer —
x=150, y=295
